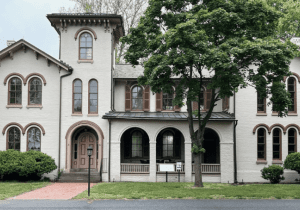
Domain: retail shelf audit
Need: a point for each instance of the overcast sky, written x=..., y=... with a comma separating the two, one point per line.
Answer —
x=26, y=19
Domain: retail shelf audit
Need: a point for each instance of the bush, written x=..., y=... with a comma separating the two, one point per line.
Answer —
x=292, y=162
x=25, y=166
x=273, y=173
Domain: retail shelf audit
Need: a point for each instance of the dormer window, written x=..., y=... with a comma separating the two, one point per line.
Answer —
x=86, y=47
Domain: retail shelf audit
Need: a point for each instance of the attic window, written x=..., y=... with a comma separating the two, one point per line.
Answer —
x=86, y=47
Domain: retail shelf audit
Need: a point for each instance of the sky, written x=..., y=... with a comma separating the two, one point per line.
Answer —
x=26, y=19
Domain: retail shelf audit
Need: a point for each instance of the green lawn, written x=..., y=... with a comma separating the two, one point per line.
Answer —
x=13, y=188
x=129, y=190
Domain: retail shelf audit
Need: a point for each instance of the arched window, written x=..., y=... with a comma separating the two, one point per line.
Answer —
x=168, y=144
x=261, y=144
x=93, y=96
x=77, y=96
x=86, y=47
x=292, y=91
x=137, y=142
x=14, y=138
x=167, y=103
x=137, y=98
x=15, y=91
x=276, y=144
x=35, y=91
x=34, y=139
x=292, y=141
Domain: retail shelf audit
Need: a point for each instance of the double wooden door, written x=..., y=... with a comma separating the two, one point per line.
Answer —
x=86, y=140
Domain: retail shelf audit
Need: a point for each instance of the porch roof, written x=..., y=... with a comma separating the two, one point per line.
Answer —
x=218, y=116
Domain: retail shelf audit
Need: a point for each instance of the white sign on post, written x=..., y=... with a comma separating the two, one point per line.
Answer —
x=178, y=166
x=166, y=167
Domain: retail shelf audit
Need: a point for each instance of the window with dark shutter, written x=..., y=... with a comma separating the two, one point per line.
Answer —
x=225, y=103
x=159, y=101
x=147, y=99
x=208, y=94
x=127, y=98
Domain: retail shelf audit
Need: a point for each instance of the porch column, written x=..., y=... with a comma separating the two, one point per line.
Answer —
x=115, y=163
x=188, y=161
x=152, y=168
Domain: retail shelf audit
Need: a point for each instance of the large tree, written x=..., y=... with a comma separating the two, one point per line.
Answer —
x=221, y=44
x=131, y=11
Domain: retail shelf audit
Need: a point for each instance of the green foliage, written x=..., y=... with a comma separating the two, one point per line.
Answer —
x=196, y=149
x=292, y=162
x=274, y=173
x=25, y=165
x=88, y=8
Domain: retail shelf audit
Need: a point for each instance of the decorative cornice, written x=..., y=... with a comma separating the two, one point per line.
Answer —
x=10, y=124
x=14, y=74
x=35, y=124
x=35, y=74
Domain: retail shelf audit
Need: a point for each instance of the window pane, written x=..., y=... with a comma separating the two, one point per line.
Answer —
x=276, y=132
x=89, y=44
x=77, y=105
x=276, y=140
x=139, y=104
x=260, y=155
x=291, y=132
x=39, y=98
x=77, y=83
x=170, y=147
x=261, y=147
x=83, y=56
x=291, y=148
x=275, y=148
x=140, y=92
x=261, y=140
x=261, y=132
x=165, y=147
x=291, y=140
x=89, y=38
x=276, y=155
x=134, y=95
x=12, y=100
x=165, y=153
x=291, y=88
x=12, y=94
x=11, y=146
x=93, y=108
x=93, y=96
x=89, y=53
x=93, y=89
x=77, y=96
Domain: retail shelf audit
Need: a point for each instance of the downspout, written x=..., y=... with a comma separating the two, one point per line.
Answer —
x=109, y=121
x=68, y=74
x=234, y=139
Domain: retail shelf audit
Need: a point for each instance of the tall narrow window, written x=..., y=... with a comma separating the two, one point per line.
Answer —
x=137, y=142
x=276, y=144
x=261, y=106
x=201, y=101
x=261, y=144
x=168, y=144
x=14, y=138
x=34, y=139
x=292, y=91
x=35, y=91
x=93, y=97
x=167, y=103
x=77, y=96
x=292, y=141
x=15, y=91
x=86, y=46
x=137, y=98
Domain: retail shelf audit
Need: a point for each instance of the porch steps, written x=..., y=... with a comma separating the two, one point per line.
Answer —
x=80, y=176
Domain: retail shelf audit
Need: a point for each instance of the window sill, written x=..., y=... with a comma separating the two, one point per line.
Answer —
x=292, y=114
x=261, y=162
x=85, y=61
x=274, y=113
x=74, y=114
x=277, y=162
x=261, y=114
x=14, y=106
x=34, y=106
x=93, y=115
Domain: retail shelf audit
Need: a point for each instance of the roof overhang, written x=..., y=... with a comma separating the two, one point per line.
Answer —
x=111, y=22
x=24, y=45
x=174, y=116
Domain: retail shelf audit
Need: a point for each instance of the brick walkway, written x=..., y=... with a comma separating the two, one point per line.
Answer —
x=61, y=191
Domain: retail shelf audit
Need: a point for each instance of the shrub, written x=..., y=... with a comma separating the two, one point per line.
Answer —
x=273, y=173
x=292, y=162
x=30, y=165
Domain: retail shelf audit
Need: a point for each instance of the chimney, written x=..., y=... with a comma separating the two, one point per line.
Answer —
x=10, y=42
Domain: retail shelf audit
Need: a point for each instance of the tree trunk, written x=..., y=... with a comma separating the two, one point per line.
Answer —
x=197, y=168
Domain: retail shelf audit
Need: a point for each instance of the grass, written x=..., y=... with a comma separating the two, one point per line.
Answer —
x=13, y=188
x=129, y=190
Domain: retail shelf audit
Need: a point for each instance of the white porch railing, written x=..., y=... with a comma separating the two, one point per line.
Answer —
x=207, y=168
x=144, y=168
x=134, y=168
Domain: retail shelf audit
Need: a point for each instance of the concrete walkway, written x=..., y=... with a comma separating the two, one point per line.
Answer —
x=59, y=191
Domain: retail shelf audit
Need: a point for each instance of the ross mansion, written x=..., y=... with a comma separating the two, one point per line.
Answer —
x=61, y=107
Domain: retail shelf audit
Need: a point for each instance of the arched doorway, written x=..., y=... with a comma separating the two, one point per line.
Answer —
x=79, y=136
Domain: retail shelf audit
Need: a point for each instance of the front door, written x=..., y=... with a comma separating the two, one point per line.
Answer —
x=86, y=140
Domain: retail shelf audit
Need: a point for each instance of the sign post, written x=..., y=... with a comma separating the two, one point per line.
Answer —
x=178, y=168
x=166, y=168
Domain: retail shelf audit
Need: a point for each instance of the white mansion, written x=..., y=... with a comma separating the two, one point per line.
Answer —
x=60, y=107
